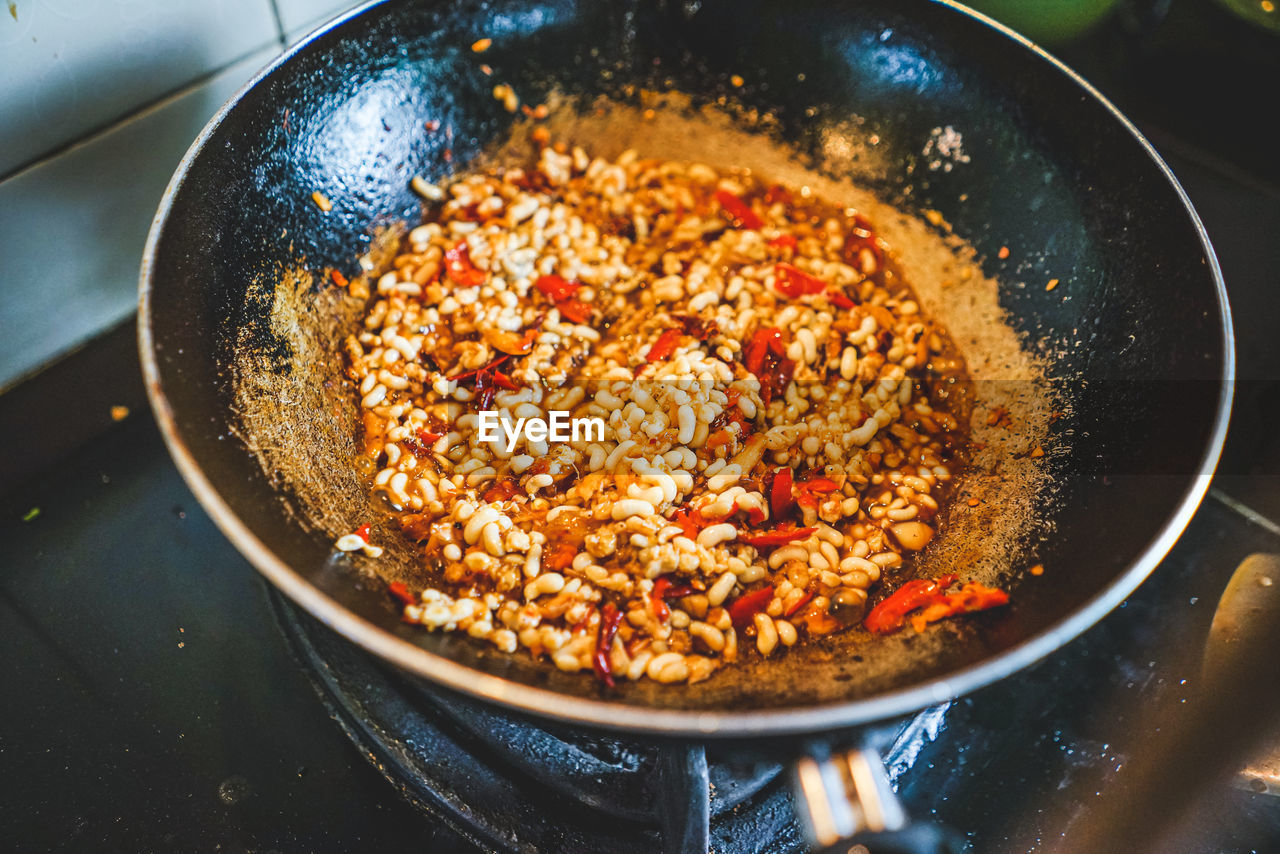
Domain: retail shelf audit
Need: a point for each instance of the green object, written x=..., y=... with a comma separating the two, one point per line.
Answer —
x=1264, y=13
x=31, y=514
x=1046, y=21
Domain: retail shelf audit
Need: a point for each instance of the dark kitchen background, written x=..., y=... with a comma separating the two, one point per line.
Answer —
x=157, y=697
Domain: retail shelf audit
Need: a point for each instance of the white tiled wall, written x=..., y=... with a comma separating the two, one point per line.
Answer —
x=74, y=65
x=74, y=226
x=99, y=99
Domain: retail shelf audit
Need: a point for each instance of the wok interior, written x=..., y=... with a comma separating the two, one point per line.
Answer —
x=1136, y=350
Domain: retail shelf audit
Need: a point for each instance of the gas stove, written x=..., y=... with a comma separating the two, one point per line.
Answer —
x=161, y=697
x=1014, y=754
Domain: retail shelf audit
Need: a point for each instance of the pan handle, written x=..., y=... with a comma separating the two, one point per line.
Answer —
x=848, y=794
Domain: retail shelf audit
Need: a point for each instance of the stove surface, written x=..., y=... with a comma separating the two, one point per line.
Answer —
x=153, y=703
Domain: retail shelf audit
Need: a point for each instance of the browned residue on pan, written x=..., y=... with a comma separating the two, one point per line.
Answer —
x=302, y=424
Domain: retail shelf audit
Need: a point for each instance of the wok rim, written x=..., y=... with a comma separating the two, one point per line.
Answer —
x=647, y=720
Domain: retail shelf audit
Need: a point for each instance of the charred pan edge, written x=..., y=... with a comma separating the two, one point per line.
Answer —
x=638, y=719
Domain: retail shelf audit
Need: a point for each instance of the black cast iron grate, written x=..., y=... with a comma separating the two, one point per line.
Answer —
x=509, y=784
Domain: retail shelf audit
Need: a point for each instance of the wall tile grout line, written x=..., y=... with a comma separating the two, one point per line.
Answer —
x=154, y=104
x=100, y=197
x=275, y=15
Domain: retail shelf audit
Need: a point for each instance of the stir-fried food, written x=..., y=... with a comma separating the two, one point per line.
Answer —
x=644, y=416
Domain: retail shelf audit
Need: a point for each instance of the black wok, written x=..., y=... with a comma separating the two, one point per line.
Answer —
x=1142, y=348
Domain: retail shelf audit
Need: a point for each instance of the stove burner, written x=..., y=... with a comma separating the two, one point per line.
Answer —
x=507, y=783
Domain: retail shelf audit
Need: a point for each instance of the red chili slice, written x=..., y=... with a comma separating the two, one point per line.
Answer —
x=765, y=341
x=475, y=374
x=739, y=211
x=888, y=616
x=777, y=378
x=457, y=261
x=840, y=300
x=793, y=282
x=779, y=537
x=363, y=532
x=610, y=619
x=819, y=484
x=691, y=522
x=656, y=597
x=401, y=592
x=487, y=379
x=575, y=309
x=428, y=438
x=781, y=498
x=555, y=288
x=971, y=597
x=755, y=515
x=338, y=279
x=746, y=606
x=663, y=590
x=664, y=346
x=784, y=241
x=766, y=358
x=754, y=357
